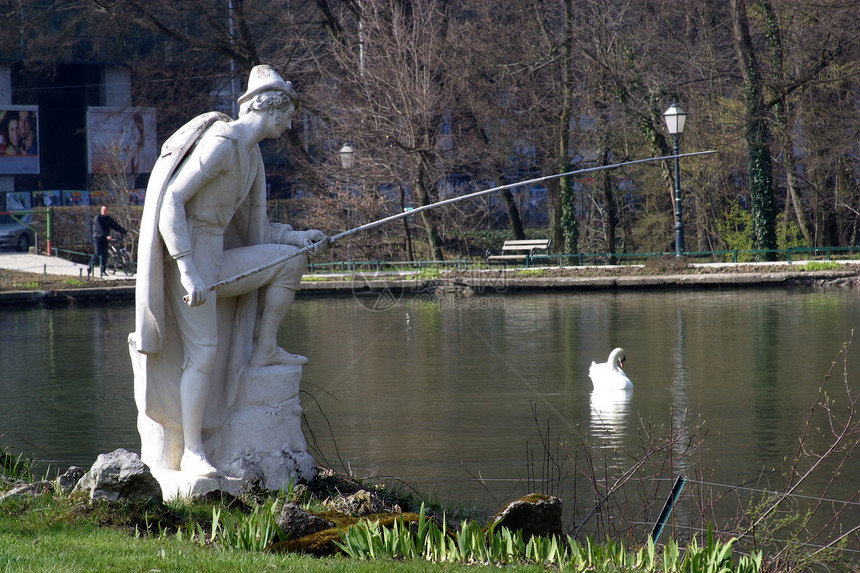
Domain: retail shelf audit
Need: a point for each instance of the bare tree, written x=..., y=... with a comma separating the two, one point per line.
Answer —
x=429, y=91
x=392, y=99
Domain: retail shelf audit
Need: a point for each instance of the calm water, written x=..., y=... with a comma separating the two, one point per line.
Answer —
x=442, y=392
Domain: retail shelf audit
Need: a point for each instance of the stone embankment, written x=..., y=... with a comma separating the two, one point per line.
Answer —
x=585, y=279
x=500, y=281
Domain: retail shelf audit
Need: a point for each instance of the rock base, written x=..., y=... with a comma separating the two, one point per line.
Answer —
x=183, y=485
x=260, y=441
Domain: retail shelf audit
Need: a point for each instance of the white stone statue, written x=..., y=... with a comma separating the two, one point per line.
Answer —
x=217, y=397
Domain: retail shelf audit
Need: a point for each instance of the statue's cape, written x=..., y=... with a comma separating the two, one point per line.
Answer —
x=149, y=294
x=156, y=349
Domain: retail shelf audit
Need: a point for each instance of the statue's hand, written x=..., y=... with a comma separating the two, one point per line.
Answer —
x=320, y=242
x=194, y=285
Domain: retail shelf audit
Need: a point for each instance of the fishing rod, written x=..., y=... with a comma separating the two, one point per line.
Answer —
x=412, y=212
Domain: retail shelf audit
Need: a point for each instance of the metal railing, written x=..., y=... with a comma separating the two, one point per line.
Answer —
x=597, y=259
x=49, y=224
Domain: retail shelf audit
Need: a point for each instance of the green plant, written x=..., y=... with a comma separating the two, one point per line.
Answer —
x=789, y=235
x=820, y=266
x=735, y=229
x=427, y=274
x=252, y=532
x=369, y=540
x=472, y=544
x=17, y=467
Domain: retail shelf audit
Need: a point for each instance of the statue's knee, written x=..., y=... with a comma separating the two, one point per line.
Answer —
x=290, y=272
x=202, y=360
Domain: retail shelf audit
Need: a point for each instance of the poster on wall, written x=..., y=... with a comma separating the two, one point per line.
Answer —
x=75, y=198
x=101, y=197
x=19, y=140
x=19, y=200
x=47, y=198
x=121, y=141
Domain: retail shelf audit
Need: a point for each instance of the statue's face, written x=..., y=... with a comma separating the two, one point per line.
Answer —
x=281, y=119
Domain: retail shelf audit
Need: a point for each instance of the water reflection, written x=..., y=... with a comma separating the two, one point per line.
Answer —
x=681, y=423
x=65, y=382
x=610, y=410
x=435, y=395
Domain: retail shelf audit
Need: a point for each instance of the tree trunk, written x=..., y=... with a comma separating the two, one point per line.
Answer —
x=783, y=120
x=792, y=192
x=756, y=134
x=567, y=219
x=434, y=243
x=514, y=221
x=610, y=208
x=407, y=233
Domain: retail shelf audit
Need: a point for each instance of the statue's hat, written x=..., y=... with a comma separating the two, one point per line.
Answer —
x=265, y=78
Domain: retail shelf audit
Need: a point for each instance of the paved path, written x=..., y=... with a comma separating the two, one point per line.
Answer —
x=43, y=264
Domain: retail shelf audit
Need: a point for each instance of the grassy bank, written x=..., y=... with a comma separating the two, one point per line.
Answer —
x=60, y=532
x=68, y=533
x=46, y=526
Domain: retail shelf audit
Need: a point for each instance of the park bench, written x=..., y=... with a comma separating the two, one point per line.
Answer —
x=524, y=250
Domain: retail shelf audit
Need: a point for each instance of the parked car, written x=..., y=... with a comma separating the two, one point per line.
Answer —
x=14, y=233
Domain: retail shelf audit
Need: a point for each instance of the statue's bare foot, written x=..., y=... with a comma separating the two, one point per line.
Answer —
x=276, y=356
x=197, y=464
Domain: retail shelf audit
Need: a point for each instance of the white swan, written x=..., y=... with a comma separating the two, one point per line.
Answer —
x=609, y=375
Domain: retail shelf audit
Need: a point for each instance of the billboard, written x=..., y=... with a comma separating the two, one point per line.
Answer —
x=19, y=140
x=121, y=140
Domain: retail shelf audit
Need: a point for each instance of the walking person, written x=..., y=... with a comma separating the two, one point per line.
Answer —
x=103, y=223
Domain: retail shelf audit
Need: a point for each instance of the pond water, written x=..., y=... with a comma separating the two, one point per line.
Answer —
x=455, y=396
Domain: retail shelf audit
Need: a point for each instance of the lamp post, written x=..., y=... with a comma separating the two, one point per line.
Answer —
x=675, y=118
x=347, y=161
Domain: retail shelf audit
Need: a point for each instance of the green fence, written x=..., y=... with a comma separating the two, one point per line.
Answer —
x=583, y=259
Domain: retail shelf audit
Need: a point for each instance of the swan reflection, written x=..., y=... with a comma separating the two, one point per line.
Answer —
x=609, y=409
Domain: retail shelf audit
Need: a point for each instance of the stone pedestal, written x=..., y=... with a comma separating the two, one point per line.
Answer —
x=261, y=438
x=259, y=442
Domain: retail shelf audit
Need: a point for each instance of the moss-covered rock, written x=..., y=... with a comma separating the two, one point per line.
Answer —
x=322, y=542
x=533, y=514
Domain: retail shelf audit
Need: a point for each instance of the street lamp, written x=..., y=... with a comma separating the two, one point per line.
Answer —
x=347, y=156
x=675, y=118
x=347, y=161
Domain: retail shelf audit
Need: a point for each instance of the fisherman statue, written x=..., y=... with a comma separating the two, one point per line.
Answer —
x=217, y=398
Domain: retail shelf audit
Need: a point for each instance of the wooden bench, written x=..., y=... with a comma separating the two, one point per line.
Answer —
x=524, y=250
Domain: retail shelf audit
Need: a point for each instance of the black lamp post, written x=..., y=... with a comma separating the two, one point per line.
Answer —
x=675, y=118
x=347, y=161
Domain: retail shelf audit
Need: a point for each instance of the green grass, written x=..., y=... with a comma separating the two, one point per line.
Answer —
x=531, y=272
x=97, y=553
x=74, y=549
x=40, y=535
